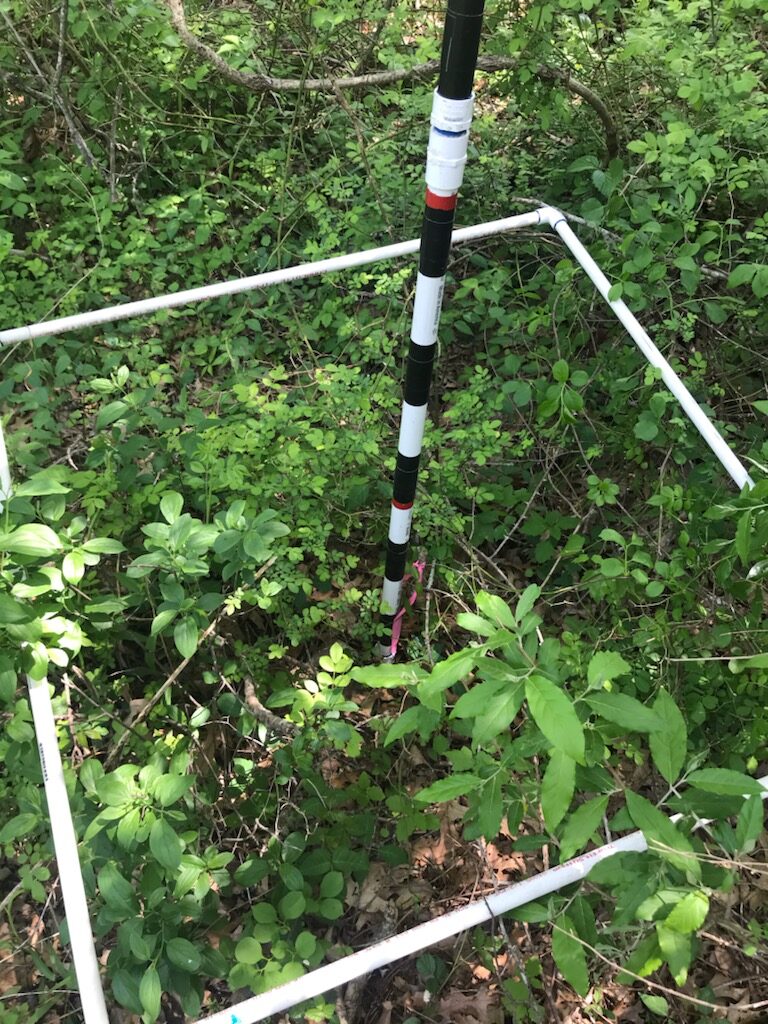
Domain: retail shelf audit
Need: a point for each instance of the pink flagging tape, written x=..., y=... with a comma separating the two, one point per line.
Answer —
x=397, y=625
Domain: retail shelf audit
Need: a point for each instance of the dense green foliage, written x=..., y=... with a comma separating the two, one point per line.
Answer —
x=211, y=485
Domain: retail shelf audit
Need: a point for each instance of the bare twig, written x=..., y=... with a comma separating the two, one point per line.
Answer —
x=63, y=15
x=256, y=82
x=272, y=721
x=55, y=94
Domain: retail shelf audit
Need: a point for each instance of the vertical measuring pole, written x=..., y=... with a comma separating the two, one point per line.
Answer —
x=446, y=156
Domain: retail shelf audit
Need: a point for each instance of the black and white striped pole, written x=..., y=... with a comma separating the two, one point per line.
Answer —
x=446, y=156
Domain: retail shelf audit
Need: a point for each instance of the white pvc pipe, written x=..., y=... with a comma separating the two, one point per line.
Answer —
x=331, y=976
x=5, y=472
x=245, y=284
x=65, y=846
x=693, y=410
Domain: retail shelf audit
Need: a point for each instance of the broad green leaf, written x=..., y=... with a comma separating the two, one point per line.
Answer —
x=689, y=914
x=18, y=826
x=491, y=808
x=475, y=701
x=150, y=992
x=162, y=619
x=569, y=954
x=170, y=788
x=658, y=1005
x=332, y=884
x=331, y=909
x=500, y=712
x=557, y=788
x=184, y=955
x=725, y=781
x=248, y=951
x=661, y=835
x=103, y=546
x=292, y=906
x=111, y=413
x=492, y=607
x=165, y=845
x=581, y=826
x=171, y=505
x=625, y=711
x=446, y=673
x=749, y=825
x=528, y=599
x=8, y=679
x=741, y=274
x=605, y=666
x=669, y=744
x=305, y=944
x=12, y=612
x=677, y=950
x=39, y=485
x=449, y=788
x=388, y=676
x=475, y=624
x=73, y=566
x=742, y=538
x=34, y=539
x=553, y=713
x=185, y=636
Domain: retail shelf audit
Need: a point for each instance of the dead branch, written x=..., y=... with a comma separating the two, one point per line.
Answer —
x=256, y=82
x=274, y=722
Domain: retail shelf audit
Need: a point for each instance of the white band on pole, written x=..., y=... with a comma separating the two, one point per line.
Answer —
x=390, y=595
x=426, y=309
x=400, y=524
x=446, y=157
x=412, y=421
x=451, y=115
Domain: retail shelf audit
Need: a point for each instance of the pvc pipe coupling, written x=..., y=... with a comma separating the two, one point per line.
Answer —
x=448, y=141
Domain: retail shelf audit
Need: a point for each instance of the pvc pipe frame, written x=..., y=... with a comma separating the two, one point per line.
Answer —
x=428, y=934
x=65, y=842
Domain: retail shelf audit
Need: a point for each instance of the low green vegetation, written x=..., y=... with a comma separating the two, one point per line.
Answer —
x=194, y=546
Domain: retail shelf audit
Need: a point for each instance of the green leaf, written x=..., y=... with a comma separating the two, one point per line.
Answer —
x=19, y=826
x=475, y=701
x=33, y=539
x=8, y=679
x=103, y=546
x=185, y=636
x=569, y=955
x=292, y=906
x=560, y=371
x=388, y=676
x=11, y=181
x=749, y=825
x=553, y=713
x=40, y=485
x=492, y=607
x=449, y=788
x=646, y=428
x=171, y=505
x=184, y=955
x=73, y=567
x=331, y=910
x=658, y=1005
x=661, y=834
x=677, y=950
x=150, y=993
x=528, y=599
x=725, y=781
x=248, y=951
x=446, y=673
x=491, y=809
x=111, y=413
x=162, y=619
x=12, y=613
x=742, y=274
x=557, y=788
x=170, y=788
x=689, y=914
x=581, y=826
x=669, y=744
x=305, y=944
x=606, y=665
x=165, y=845
x=625, y=711
x=332, y=884
x=500, y=711
x=742, y=537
